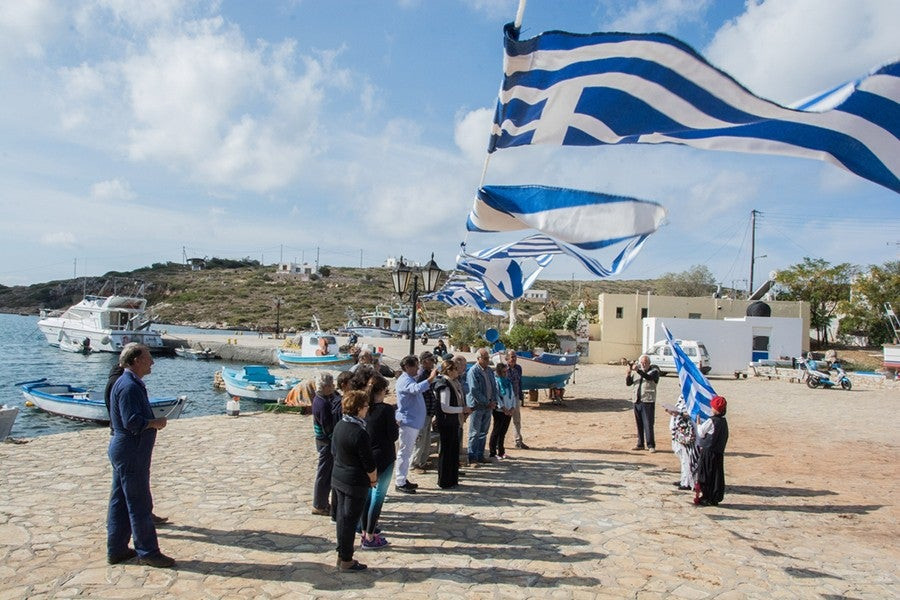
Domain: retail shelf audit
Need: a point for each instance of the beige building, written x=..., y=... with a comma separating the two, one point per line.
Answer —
x=617, y=334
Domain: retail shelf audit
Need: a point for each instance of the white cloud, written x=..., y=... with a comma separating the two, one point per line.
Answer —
x=472, y=133
x=59, y=238
x=659, y=15
x=494, y=8
x=112, y=190
x=787, y=50
x=25, y=26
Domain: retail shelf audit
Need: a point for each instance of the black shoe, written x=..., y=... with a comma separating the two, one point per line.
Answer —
x=676, y=483
x=157, y=520
x=414, y=486
x=684, y=487
x=406, y=488
x=523, y=446
x=115, y=559
x=160, y=561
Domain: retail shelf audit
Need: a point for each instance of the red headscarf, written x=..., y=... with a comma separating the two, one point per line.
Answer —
x=718, y=404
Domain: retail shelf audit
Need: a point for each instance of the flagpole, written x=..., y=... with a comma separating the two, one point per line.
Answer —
x=519, y=14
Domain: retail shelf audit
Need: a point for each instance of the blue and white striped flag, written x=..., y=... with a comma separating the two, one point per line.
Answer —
x=617, y=88
x=462, y=290
x=695, y=388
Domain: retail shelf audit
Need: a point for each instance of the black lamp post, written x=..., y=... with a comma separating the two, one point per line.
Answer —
x=278, y=301
x=400, y=276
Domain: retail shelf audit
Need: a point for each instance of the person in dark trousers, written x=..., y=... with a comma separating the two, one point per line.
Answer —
x=381, y=424
x=353, y=475
x=644, y=377
x=326, y=411
x=130, y=453
x=423, y=442
x=712, y=437
x=452, y=405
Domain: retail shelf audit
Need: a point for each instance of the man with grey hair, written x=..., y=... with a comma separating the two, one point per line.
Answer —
x=644, y=377
x=130, y=452
x=482, y=399
x=326, y=411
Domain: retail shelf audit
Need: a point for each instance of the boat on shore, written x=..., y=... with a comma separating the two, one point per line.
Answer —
x=8, y=416
x=255, y=382
x=390, y=321
x=77, y=403
x=195, y=354
x=102, y=324
x=891, y=359
x=544, y=370
x=315, y=348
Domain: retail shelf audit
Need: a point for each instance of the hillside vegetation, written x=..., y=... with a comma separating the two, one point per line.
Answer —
x=245, y=296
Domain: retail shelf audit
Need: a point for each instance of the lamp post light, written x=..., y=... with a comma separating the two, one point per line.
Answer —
x=400, y=277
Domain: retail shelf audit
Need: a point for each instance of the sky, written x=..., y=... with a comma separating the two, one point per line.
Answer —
x=141, y=132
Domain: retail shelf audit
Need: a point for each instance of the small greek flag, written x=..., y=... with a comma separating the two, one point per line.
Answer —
x=620, y=88
x=695, y=388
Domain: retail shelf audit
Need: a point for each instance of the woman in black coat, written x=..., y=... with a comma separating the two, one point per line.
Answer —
x=354, y=473
x=381, y=423
x=451, y=406
x=712, y=436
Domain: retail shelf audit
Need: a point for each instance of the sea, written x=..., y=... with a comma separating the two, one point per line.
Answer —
x=25, y=355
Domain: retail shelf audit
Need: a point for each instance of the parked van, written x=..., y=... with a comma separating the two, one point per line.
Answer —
x=661, y=355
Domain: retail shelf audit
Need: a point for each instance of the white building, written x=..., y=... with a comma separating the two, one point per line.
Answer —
x=289, y=269
x=533, y=295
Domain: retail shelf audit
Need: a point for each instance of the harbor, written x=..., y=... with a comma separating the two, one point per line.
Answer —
x=809, y=513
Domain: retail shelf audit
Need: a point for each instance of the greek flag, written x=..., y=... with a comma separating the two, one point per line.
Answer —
x=621, y=88
x=462, y=290
x=588, y=220
x=695, y=389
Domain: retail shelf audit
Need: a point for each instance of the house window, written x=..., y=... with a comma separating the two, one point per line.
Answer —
x=619, y=312
x=693, y=315
x=643, y=313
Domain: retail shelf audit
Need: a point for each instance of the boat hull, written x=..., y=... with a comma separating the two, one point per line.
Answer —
x=892, y=356
x=257, y=391
x=196, y=354
x=547, y=371
x=69, y=336
x=8, y=416
x=77, y=404
x=288, y=359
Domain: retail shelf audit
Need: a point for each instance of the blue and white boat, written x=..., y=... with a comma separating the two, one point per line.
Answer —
x=311, y=344
x=545, y=370
x=254, y=382
x=77, y=404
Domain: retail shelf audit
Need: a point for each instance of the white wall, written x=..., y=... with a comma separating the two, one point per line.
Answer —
x=730, y=341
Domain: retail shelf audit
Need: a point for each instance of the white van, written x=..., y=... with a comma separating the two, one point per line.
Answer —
x=661, y=355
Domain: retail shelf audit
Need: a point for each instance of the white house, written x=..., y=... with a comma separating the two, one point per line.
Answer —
x=533, y=295
x=289, y=269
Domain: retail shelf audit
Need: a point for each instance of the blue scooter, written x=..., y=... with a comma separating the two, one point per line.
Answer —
x=816, y=378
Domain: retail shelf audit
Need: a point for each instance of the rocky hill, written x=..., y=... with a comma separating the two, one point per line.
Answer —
x=246, y=296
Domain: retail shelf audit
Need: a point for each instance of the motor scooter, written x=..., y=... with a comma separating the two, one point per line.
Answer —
x=816, y=378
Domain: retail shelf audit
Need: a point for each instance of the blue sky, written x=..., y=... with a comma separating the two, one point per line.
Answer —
x=133, y=129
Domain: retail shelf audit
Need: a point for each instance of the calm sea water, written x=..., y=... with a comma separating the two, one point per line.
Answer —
x=25, y=355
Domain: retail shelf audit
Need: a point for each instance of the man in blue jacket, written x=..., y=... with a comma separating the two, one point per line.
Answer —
x=482, y=399
x=410, y=415
x=130, y=451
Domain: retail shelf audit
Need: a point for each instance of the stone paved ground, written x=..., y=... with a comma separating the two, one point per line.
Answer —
x=806, y=515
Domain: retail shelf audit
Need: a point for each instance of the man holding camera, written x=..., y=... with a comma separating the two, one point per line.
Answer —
x=644, y=377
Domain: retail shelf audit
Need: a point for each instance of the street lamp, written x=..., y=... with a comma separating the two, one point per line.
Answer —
x=400, y=276
x=278, y=301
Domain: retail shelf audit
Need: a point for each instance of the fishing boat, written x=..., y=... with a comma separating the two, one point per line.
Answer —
x=101, y=323
x=77, y=403
x=891, y=357
x=390, y=321
x=254, y=382
x=194, y=354
x=544, y=370
x=8, y=416
x=310, y=344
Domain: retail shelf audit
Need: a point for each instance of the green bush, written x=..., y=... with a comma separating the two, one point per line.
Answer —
x=527, y=337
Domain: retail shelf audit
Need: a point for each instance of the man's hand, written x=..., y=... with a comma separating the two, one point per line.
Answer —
x=434, y=374
x=159, y=423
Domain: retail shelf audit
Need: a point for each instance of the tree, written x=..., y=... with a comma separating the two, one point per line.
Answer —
x=696, y=281
x=864, y=311
x=820, y=283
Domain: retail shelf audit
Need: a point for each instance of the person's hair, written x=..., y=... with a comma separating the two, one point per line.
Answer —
x=483, y=352
x=367, y=355
x=409, y=361
x=361, y=377
x=447, y=365
x=323, y=379
x=343, y=378
x=500, y=369
x=377, y=384
x=354, y=401
x=511, y=353
x=130, y=353
x=460, y=363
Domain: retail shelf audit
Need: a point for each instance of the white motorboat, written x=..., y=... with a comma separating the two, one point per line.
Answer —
x=254, y=382
x=315, y=348
x=390, y=322
x=102, y=324
x=8, y=416
x=77, y=404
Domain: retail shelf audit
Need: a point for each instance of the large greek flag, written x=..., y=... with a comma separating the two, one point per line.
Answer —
x=616, y=88
x=695, y=388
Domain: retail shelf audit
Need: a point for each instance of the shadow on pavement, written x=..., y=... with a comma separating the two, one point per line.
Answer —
x=252, y=539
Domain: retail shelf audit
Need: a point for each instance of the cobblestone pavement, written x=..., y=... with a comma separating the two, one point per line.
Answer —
x=557, y=522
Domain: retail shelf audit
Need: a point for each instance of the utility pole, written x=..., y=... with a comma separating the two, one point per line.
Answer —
x=317, y=259
x=753, y=214
x=360, y=258
x=281, y=256
x=75, y=269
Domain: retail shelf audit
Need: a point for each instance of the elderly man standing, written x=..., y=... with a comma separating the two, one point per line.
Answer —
x=423, y=442
x=644, y=377
x=130, y=452
x=410, y=417
x=515, y=380
x=482, y=399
